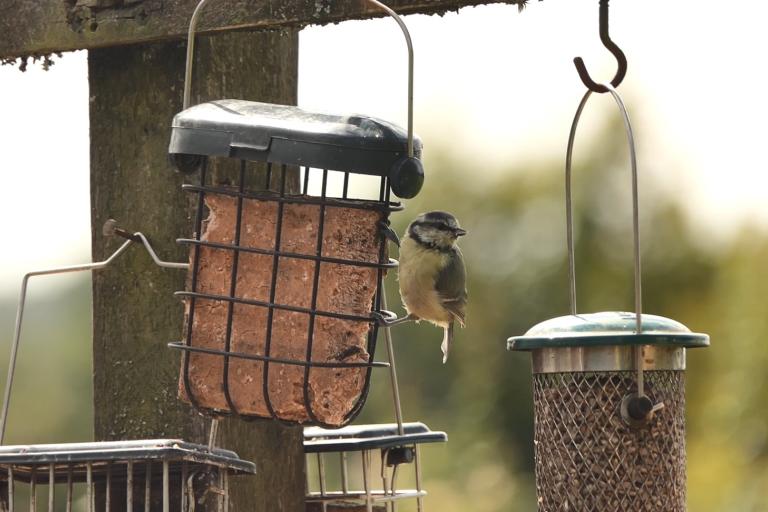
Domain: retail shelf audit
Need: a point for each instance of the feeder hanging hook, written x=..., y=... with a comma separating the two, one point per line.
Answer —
x=612, y=47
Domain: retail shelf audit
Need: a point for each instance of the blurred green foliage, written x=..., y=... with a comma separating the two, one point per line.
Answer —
x=515, y=254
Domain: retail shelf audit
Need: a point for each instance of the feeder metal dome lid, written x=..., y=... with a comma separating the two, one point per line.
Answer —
x=607, y=328
x=289, y=135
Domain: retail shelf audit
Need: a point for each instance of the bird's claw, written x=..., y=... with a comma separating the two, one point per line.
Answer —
x=388, y=233
x=389, y=319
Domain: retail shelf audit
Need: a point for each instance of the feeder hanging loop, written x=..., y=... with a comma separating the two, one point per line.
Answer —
x=612, y=47
x=639, y=407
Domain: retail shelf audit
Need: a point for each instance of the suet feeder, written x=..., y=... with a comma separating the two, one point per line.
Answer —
x=150, y=475
x=609, y=395
x=167, y=475
x=283, y=300
x=377, y=453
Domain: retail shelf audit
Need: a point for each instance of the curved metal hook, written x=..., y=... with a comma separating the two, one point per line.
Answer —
x=612, y=47
x=187, y=98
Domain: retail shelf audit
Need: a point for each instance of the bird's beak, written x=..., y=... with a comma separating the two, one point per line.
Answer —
x=460, y=232
x=388, y=233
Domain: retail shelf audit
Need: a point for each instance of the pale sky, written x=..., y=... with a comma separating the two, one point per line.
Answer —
x=495, y=86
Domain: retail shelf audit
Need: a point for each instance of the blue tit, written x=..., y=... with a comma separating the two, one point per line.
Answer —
x=432, y=275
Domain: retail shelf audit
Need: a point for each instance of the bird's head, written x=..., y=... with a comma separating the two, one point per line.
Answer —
x=436, y=230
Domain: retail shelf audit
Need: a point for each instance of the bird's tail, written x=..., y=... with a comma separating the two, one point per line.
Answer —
x=447, y=340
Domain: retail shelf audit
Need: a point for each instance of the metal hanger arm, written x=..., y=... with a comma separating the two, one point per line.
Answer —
x=99, y=265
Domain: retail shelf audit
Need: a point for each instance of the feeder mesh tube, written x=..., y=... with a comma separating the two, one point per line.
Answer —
x=589, y=460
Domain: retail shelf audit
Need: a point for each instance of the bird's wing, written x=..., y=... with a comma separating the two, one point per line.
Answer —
x=451, y=285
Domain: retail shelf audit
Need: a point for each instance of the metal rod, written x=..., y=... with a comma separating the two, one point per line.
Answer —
x=409, y=44
x=190, y=320
x=417, y=467
x=393, y=487
x=226, y=490
x=232, y=293
x=89, y=487
x=344, y=473
x=184, y=472
x=272, y=295
x=156, y=258
x=69, y=490
x=147, y=487
x=191, y=32
x=213, y=434
x=392, y=368
x=638, y=363
x=32, y=490
x=51, y=487
x=129, y=487
x=10, y=488
x=366, y=454
x=321, y=473
x=313, y=299
x=166, y=487
x=61, y=270
x=220, y=494
x=385, y=479
x=107, y=493
x=190, y=54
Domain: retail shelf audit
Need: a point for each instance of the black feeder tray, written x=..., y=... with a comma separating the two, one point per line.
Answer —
x=163, y=474
x=378, y=450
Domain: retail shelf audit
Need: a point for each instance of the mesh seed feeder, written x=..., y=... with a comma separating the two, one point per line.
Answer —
x=284, y=294
x=159, y=474
x=608, y=388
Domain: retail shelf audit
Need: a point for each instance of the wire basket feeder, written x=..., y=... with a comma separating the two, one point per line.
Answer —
x=284, y=296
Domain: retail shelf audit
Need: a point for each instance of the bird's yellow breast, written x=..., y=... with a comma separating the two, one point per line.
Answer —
x=418, y=272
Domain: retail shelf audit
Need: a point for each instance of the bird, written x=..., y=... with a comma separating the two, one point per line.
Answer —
x=432, y=275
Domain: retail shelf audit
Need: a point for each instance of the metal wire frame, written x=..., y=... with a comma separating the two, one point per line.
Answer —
x=281, y=197
x=638, y=292
x=369, y=496
x=134, y=238
x=91, y=486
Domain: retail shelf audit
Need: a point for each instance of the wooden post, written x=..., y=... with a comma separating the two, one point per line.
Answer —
x=135, y=91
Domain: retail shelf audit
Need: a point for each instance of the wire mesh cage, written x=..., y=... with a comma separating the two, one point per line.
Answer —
x=589, y=459
x=376, y=453
x=284, y=293
x=284, y=296
x=167, y=475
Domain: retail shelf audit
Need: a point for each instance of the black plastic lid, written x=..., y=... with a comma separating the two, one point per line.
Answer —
x=289, y=135
x=367, y=437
